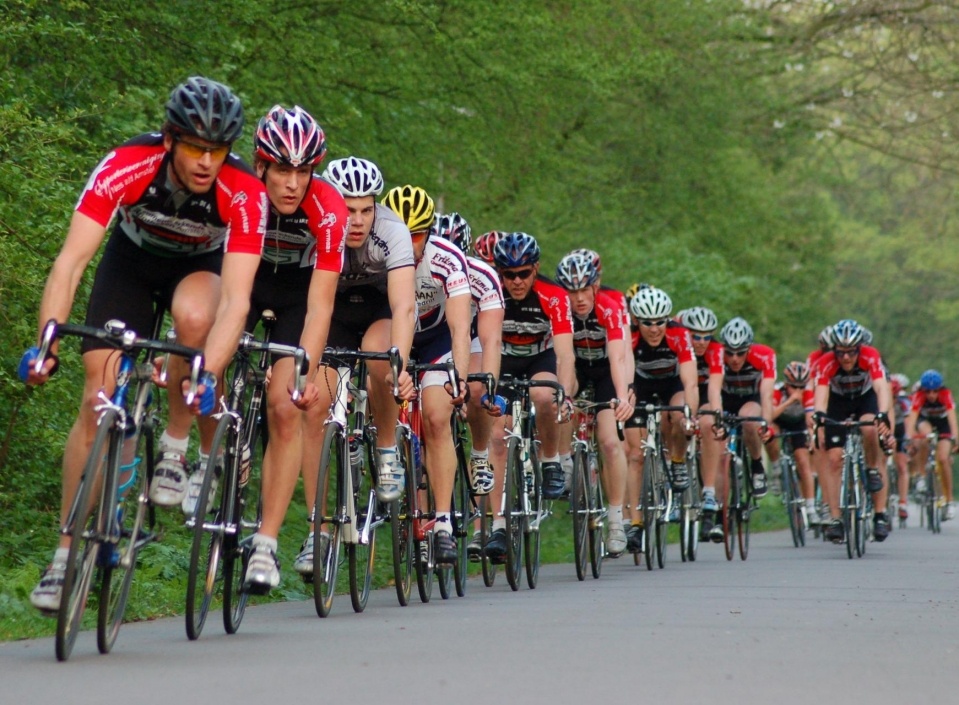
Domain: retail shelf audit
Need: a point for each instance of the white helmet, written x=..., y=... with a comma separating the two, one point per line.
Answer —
x=737, y=334
x=700, y=320
x=651, y=303
x=354, y=177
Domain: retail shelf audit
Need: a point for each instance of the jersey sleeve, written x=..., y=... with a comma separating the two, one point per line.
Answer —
x=243, y=201
x=714, y=358
x=557, y=307
x=121, y=177
x=610, y=315
x=329, y=223
x=681, y=343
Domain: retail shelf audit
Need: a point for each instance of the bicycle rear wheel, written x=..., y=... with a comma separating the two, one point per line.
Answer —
x=328, y=509
x=462, y=514
x=247, y=515
x=789, y=496
x=83, y=525
x=579, y=507
x=209, y=528
x=515, y=488
x=401, y=522
x=423, y=550
x=116, y=576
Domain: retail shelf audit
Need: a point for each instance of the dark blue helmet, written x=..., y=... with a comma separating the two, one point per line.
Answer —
x=931, y=380
x=516, y=250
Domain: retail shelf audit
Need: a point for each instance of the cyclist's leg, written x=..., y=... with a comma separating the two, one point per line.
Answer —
x=944, y=458
x=674, y=434
x=384, y=410
x=614, y=478
x=440, y=460
x=480, y=423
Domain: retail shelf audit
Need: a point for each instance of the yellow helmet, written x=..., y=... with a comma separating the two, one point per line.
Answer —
x=635, y=289
x=413, y=205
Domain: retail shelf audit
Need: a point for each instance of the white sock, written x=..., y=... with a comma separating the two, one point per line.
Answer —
x=61, y=555
x=553, y=459
x=615, y=514
x=499, y=524
x=443, y=522
x=709, y=491
x=167, y=442
x=810, y=504
x=479, y=454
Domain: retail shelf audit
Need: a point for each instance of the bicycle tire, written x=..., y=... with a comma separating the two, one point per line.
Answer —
x=361, y=556
x=462, y=511
x=327, y=510
x=84, y=546
x=486, y=527
x=116, y=577
x=579, y=508
x=401, y=523
x=649, y=508
x=597, y=523
x=515, y=487
x=662, y=531
x=935, y=514
x=746, y=507
x=531, y=530
x=208, y=545
x=849, y=507
x=731, y=508
x=248, y=514
x=788, y=500
x=425, y=570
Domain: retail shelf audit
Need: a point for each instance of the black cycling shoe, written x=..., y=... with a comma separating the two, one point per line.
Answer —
x=873, y=482
x=554, y=480
x=760, y=486
x=880, y=527
x=496, y=547
x=634, y=539
x=706, y=524
x=444, y=549
x=834, y=531
x=678, y=476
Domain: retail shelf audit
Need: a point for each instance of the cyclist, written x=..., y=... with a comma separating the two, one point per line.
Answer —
x=933, y=408
x=789, y=415
x=190, y=226
x=748, y=380
x=899, y=383
x=665, y=373
x=537, y=344
x=297, y=280
x=702, y=323
x=820, y=464
x=851, y=382
x=601, y=351
x=485, y=349
x=442, y=333
x=374, y=309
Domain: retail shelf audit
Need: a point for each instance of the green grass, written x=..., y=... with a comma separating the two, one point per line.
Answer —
x=159, y=585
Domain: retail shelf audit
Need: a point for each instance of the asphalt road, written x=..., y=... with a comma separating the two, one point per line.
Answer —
x=786, y=626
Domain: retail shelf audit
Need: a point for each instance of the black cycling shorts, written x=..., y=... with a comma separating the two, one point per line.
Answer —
x=601, y=380
x=649, y=391
x=732, y=403
x=354, y=311
x=129, y=281
x=940, y=424
x=525, y=367
x=841, y=407
x=284, y=291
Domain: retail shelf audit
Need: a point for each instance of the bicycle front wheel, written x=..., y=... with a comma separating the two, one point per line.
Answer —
x=462, y=514
x=579, y=507
x=361, y=555
x=650, y=514
x=515, y=488
x=209, y=528
x=84, y=545
x=531, y=535
x=401, y=522
x=486, y=528
x=597, y=519
x=120, y=551
x=849, y=507
x=327, y=512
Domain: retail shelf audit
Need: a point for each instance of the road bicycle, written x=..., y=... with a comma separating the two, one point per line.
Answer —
x=345, y=509
x=523, y=506
x=587, y=504
x=930, y=497
x=229, y=507
x=792, y=495
x=657, y=496
x=740, y=502
x=855, y=503
x=108, y=520
x=691, y=503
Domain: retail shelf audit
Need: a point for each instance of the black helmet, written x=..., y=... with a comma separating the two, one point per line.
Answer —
x=206, y=109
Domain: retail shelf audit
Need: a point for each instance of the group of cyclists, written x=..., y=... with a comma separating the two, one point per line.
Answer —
x=215, y=242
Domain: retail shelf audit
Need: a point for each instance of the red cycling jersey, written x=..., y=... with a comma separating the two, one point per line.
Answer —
x=711, y=362
x=855, y=383
x=938, y=409
x=760, y=364
x=312, y=236
x=132, y=182
x=663, y=361
x=604, y=323
x=529, y=324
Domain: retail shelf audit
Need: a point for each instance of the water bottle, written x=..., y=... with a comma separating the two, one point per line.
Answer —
x=527, y=470
x=246, y=462
x=593, y=461
x=417, y=460
x=128, y=461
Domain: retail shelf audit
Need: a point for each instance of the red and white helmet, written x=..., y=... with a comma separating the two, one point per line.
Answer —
x=483, y=247
x=289, y=137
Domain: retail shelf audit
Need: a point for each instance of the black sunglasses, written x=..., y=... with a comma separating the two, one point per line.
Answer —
x=649, y=323
x=517, y=274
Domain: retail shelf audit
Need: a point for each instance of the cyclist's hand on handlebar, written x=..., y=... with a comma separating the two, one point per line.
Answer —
x=719, y=431
x=27, y=373
x=623, y=411
x=689, y=427
x=882, y=421
x=158, y=378
x=463, y=394
x=564, y=412
x=767, y=433
x=204, y=401
x=407, y=390
x=309, y=398
x=495, y=406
